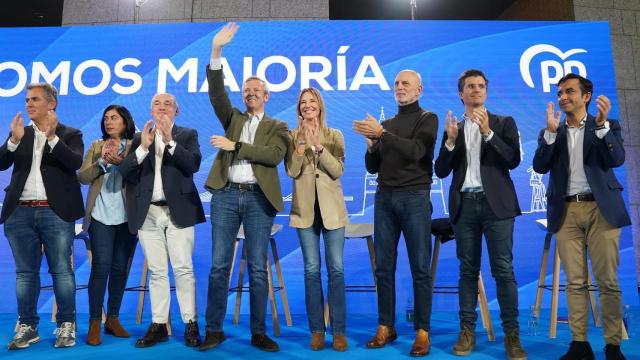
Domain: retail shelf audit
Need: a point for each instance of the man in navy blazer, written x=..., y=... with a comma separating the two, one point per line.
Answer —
x=40, y=207
x=585, y=208
x=480, y=150
x=166, y=208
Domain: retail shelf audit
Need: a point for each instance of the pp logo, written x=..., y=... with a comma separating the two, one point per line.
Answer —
x=551, y=70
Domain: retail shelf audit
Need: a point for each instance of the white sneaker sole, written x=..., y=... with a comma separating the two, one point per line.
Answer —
x=32, y=341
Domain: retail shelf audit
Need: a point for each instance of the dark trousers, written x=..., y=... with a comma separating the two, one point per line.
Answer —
x=111, y=246
x=408, y=212
x=475, y=219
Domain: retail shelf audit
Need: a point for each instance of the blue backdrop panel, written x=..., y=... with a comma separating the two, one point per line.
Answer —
x=354, y=64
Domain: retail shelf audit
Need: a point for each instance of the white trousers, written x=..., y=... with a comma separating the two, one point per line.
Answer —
x=162, y=241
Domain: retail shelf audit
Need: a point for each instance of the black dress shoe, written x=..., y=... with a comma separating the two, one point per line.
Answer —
x=212, y=339
x=612, y=352
x=192, y=334
x=579, y=350
x=262, y=342
x=155, y=334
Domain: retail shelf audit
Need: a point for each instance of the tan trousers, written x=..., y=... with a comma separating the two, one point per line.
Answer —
x=585, y=229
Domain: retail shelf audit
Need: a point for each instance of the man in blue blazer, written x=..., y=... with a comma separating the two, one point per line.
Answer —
x=165, y=210
x=41, y=204
x=585, y=209
x=480, y=150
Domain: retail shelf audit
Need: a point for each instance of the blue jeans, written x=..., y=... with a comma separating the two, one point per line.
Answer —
x=229, y=208
x=476, y=218
x=28, y=230
x=408, y=212
x=314, y=300
x=112, y=246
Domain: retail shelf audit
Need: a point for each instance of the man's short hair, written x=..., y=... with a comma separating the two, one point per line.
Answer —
x=586, y=86
x=173, y=98
x=471, y=73
x=265, y=86
x=50, y=91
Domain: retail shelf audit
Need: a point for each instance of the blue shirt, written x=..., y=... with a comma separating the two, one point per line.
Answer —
x=109, y=208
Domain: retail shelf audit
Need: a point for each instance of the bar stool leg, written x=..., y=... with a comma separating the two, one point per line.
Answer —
x=243, y=260
x=554, y=293
x=283, y=290
x=143, y=290
x=233, y=259
x=272, y=300
x=543, y=272
x=372, y=259
x=484, y=309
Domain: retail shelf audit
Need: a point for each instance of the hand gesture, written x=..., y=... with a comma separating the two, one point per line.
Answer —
x=368, y=127
x=163, y=125
x=113, y=158
x=370, y=143
x=222, y=38
x=221, y=142
x=451, y=127
x=604, y=105
x=17, y=128
x=52, y=124
x=147, y=136
x=109, y=148
x=552, y=121
x=481, y=117
x=312, y=133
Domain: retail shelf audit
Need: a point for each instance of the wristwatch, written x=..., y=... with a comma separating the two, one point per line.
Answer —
x=237, y=146
x=302, y=142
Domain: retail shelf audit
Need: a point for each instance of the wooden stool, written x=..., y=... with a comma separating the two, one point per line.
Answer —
x=83, y=236
x=443, y=232
x=556, y=287
x=358, y=231
x=240, y=288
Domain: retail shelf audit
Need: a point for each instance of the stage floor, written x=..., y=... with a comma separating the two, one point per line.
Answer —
x=294, y=341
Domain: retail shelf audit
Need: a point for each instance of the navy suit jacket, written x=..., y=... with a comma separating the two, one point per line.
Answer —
x=177, y=180
x=497, y=157
x=600, y=157
x=58, y=170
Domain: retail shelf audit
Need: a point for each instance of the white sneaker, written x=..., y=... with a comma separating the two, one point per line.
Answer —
x=25, y=336
x=66, y=335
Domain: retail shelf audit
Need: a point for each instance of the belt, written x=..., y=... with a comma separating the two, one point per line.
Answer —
x=33, y=203
x=580, y=198
x=159, y=203
x=245, y=187
x=474, y=195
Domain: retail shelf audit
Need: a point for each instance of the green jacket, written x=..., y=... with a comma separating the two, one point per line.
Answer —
x=266, y=152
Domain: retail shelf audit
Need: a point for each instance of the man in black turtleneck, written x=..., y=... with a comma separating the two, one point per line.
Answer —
x=400, y=150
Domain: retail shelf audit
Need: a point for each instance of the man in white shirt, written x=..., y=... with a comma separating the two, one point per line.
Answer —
x=167, y=207
x=40, y=207
x=245, y=190
x=585, y=209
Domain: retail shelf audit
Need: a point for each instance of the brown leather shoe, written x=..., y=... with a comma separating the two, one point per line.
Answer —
x=93, y=337
x=513, y=347
x=421, y=345
x=317, y=341
x=384, y=335
x=113, y=327
x=339, y=343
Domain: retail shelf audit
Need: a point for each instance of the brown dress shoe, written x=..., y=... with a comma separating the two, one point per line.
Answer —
x=264, y=343
x=339, y=343
x=113, y=327
x=421, y=345
x=513, y=347
x=317, y=341
x=93, y=337
x=384, y=335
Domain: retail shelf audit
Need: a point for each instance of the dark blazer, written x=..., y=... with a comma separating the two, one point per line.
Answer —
x=58, y=171
x=177, y=180
x=497, y=157
x=600, y=156
x=267, y=151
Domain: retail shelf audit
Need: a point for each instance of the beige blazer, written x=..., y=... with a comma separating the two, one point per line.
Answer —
x=90, y=174
x=322, y=173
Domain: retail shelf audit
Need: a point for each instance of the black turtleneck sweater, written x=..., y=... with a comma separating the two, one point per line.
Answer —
x=403, y=157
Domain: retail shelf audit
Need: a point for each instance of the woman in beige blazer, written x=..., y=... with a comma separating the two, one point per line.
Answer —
x=315, y=161
x=112, y=245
